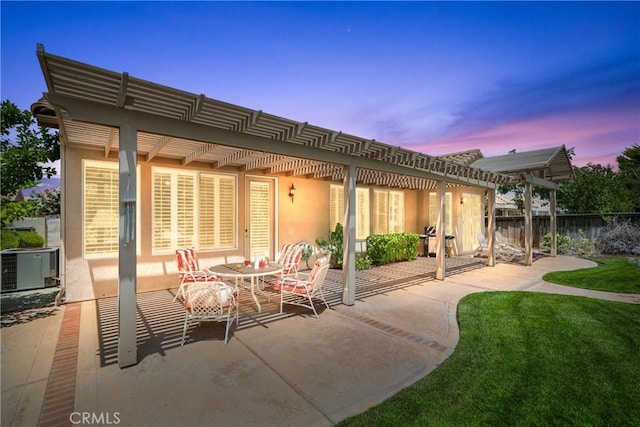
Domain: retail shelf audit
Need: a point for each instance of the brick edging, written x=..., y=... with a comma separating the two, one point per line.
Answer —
x=59, y=397
x=435, y=345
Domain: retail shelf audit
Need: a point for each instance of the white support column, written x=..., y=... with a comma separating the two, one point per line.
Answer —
x=491, y=227
x=441, y=272
x=349, y=237
x=127, y=345
x=528, y=224
x=552, y=221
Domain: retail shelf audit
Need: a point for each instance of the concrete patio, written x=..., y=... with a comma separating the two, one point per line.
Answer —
x=59, y=365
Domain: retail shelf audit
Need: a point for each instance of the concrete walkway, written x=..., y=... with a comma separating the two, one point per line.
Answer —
x=291, y=370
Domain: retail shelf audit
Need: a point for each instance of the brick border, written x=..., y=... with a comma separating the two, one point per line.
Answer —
x=435, y=345
x=59, y=397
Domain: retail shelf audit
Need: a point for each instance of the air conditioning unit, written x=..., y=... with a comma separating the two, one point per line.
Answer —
x=29, y=268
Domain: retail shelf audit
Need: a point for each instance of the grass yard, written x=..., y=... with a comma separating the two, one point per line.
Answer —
x=611, y=274
x=528, y=359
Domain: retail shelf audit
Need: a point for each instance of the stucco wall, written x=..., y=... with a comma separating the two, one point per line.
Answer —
x=303, y=219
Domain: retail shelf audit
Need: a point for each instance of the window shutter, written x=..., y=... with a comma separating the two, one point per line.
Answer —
x=381, y=214
x=101, y=210
x=336, y=206
x=217, y=219
x=434, y=208
x=362, y=213
x=260, y=244
x=207, y=199
x=226, y=212
x=185, y=211
x=396, y=212
x=162, y=217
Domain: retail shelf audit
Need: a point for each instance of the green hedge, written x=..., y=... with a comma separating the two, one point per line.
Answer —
x=387, y=248
x=21, y=239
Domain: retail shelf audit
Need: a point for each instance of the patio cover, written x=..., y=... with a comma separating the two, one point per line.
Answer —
x=131, y=118
x=545, y=168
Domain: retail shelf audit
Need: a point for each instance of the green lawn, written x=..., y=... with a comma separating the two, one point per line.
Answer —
x=528, y=359
x=611, y=274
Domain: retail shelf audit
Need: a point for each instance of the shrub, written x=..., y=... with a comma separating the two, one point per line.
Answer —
x=21, y=239
x=30, y=239
x=583, y=246
x=387, y=248
x=563, y=243
x=362, y=262
x=619, y=238
x=333, y=246
x=10, y=239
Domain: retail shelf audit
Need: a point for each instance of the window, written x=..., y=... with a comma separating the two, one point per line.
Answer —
x=336, y=210
x=434, y=209
x=100, y=209
x=193, y=209
x=388, y=212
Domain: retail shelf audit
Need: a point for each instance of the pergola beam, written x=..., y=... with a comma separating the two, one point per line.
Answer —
x=162, y=141
x=199, y=152
x=261, y=162
x=233, y=157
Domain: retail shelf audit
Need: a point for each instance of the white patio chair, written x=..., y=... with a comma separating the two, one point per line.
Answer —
x=189, y=270
x=508, y=248
x=210, y=302
x=503, y=253
x=302, y=289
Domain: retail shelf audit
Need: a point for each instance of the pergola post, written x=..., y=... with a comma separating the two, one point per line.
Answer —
x=349, y=236
x=528, y=224
x=491, y=228
x=440, y=234
x=552, y=221
x=127, y=345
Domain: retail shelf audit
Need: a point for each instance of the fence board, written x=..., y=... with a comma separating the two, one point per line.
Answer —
x=512, y=227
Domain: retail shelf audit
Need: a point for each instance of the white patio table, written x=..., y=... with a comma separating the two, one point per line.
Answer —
x=241, y=272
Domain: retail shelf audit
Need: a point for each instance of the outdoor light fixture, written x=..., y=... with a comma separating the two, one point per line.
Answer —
x=462, y=200
x=292, y=192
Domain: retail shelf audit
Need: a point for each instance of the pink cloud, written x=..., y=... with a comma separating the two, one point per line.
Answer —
x=597, y=136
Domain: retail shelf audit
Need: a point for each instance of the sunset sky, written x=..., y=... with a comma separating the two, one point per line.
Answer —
x=429, y=76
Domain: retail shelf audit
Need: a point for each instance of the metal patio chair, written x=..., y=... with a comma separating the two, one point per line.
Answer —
x=210, y=302
x=301, y=290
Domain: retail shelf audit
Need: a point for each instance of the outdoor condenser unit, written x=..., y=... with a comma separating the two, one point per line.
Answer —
x=29, y=268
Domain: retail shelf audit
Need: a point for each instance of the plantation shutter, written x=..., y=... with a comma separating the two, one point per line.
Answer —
x=260, y=236
x=396, y=212
x=362, y=213
x=381, y=212
x=207, y=220
x=101, y=210
x=434, y=208
x=162, y=235
x=226, y=230
x=217, y=219
x=336, y=206
x=185, y=209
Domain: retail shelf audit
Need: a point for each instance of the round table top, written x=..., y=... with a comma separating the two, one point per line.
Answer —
x=241, y=270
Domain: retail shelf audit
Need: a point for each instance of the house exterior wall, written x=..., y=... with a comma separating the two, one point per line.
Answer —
x=303, y=219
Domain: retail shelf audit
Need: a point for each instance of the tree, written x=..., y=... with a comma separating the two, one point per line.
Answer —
x=629, y=175
x=594, y=189
x=23, y=160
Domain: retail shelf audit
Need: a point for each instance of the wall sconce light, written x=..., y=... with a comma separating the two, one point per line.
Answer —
x=463, y=200
x=292, y=192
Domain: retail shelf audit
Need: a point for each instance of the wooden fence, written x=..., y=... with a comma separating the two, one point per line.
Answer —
x=512, y=227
